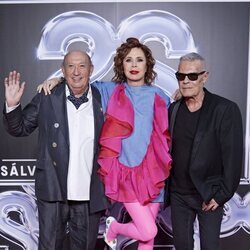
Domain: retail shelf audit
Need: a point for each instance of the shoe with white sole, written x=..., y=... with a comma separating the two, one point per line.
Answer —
x=111, y=243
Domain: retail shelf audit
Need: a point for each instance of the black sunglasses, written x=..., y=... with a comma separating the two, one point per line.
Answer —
x=191, y=76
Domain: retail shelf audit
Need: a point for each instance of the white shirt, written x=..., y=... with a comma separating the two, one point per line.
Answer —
x=81, y=139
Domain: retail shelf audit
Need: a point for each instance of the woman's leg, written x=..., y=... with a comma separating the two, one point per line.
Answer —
x=148, y=245
x=141, y=228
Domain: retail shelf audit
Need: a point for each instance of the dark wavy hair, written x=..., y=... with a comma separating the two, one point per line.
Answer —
x=122, y=52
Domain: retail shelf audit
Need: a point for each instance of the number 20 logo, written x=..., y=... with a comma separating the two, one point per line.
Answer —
x=101, y=39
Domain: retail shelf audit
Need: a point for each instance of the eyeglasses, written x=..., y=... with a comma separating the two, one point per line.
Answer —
x=191, y=76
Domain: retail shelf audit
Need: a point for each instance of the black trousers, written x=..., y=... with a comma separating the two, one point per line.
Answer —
x=57, y=219
x=184, y=209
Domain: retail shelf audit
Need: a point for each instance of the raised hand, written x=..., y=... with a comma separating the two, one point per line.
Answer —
x=13, y=89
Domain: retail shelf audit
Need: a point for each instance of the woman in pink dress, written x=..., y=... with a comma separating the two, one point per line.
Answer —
x=134, y=157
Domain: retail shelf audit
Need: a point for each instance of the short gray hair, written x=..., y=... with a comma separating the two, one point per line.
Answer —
x=193, y=56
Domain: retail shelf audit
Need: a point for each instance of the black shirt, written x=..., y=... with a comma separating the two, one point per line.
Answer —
x=183, y=136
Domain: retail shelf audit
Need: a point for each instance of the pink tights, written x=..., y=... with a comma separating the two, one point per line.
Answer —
x=142, y=227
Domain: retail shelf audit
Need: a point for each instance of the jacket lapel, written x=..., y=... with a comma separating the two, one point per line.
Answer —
x=98, y=115
x=58, y=100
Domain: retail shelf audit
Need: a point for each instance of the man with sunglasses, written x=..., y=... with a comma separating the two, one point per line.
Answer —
x=207, y=148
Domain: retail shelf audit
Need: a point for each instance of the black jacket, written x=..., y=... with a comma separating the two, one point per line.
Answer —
x=49, y=114
x=216, y=158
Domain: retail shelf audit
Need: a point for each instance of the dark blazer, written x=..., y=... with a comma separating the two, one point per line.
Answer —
x=49, y=114
x=216, y=157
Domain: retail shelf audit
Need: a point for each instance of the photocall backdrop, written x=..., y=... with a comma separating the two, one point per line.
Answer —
x=33, y=40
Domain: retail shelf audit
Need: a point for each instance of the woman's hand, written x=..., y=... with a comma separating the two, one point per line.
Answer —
x=48, y=85
x=176, y=95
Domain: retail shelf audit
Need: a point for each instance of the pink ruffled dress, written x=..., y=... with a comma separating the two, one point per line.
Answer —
x=134, y=157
